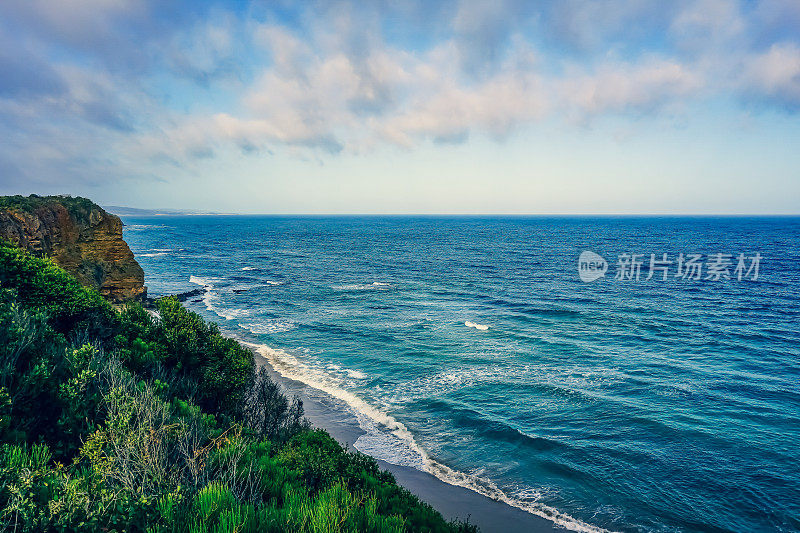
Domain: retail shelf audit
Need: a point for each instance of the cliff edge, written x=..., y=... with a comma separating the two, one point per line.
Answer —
x=80, y=237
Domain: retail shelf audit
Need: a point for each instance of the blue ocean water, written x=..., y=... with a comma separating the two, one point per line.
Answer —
x=469, y=347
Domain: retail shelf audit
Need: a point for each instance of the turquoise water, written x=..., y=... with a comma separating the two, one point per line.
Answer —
x=470, y=348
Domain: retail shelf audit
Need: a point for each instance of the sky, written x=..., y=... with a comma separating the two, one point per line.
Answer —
x=394, y=106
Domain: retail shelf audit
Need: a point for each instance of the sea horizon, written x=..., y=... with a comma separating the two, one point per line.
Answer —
x=467, y=215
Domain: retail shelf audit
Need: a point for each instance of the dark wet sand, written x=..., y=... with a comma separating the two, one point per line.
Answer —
x=453, y=502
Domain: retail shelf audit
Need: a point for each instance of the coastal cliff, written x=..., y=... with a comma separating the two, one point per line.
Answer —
x=80, y=237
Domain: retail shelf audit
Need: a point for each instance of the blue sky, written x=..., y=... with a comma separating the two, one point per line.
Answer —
x=501, y=106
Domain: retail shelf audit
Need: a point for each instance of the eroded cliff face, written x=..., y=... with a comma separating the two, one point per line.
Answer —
x=80, y=237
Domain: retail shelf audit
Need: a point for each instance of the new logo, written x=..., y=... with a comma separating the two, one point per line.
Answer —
x=591, y=266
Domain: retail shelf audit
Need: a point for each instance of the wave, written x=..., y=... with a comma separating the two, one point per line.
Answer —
x=375, y=285
x=481, y=327
x=268, y=327
x=140, y=227
x=153, y=254
x=212, y=300
x=390, y=440
x=356, y=374
x=207, y=283
x=249, y=268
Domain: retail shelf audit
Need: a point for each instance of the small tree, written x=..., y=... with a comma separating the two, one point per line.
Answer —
x=270, y=413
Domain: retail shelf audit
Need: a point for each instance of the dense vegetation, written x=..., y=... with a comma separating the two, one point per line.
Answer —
x=78, y=207
x=126, y=421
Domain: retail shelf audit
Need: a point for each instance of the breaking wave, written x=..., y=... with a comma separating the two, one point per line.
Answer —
x=388, y=439
x=376, y=285
x=213, y=301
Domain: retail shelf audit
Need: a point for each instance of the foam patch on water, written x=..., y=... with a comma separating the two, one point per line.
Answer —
x=355, y=374
x=268, y=326
x=574, y=382
x=375, y=285
x=213, y=301
x=390, y=440
x=141, y=227
x=481, y=327
x=378, y=442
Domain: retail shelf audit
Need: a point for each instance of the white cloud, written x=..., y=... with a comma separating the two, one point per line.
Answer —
x=626, y=87
x=705, y=25
x=775, y=74
x=204, y=50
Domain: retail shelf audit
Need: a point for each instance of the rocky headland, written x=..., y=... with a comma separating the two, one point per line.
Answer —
x=79, y=236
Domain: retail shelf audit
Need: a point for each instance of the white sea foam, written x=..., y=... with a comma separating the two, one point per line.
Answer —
x=275, y=283
x=379, y=443
x=571, y=381
x=268, y=327
x=249, y=268
x=481, y=327
x=153, y=254
x=375, y=285
x=140, y=227
x=355, y=374
x=205, y=282
x=227, y=313
x=390, y=440
x=213, y=301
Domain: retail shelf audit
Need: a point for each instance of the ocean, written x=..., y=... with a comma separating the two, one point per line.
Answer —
x=471, y=348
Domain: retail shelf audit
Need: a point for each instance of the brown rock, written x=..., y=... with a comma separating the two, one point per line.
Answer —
x=80, y=237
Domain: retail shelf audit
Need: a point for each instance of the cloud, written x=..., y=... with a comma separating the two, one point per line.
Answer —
x=205, y=51
x=774, y=76
x=152, y=85
x=706, y=25
x=589, y=27
x=25, y=76
x=630, y=87
x=775, y=21
x=482, y=30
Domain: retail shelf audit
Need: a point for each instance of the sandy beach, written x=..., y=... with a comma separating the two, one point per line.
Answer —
x=453, y=502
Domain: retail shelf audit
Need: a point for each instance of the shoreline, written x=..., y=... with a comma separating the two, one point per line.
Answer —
x=454, y=502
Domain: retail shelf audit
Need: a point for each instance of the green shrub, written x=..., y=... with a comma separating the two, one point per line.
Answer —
x=41, y=285
x=31, y=367
x=220, y=367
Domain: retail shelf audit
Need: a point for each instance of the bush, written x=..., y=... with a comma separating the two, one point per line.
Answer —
x=269, y=412
x=47, y=288
x=215, y=371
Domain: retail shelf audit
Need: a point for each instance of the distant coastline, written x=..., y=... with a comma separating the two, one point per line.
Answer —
x=136, y=211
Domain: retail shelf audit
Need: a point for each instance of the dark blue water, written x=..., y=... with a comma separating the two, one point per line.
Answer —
x=470, y=348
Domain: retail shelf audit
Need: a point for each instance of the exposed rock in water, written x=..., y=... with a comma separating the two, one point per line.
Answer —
x=80, y=237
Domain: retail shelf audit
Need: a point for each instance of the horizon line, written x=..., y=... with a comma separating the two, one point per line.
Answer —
x=462, y=215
